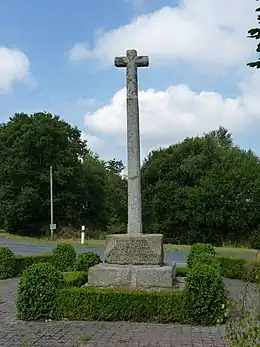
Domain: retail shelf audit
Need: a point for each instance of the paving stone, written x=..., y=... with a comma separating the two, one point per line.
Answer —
x=15, y=333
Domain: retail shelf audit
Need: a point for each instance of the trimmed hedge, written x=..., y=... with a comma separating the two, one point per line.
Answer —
x=206, y=299
x=239, y=268
x=7, y=263
x=205, y=258
x=85, y=260
x=64, y=257
x=205, y=295
x=198, y=249
x=92, y=304
x=37, y=292
x=76, y=278
x=22, y=262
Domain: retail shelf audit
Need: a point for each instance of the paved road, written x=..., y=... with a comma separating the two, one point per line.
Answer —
x=14, y=333
x=23, y=248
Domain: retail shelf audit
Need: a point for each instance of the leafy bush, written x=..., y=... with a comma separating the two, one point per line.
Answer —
x=85, y=260
x=205, y=258
x=7, y=263
x=254, y=239
x=206, y=301
x=76, y=278
x=64, y=257
x=90, y=304
x=37, y=292
x=22, y=262
x=232, y=267
x=252, y=271
x=197, y=249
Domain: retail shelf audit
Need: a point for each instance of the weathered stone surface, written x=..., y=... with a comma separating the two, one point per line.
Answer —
x=132, y=61
x=154, y=277
x=139, y=277
x=114, y=276
x=135, y=249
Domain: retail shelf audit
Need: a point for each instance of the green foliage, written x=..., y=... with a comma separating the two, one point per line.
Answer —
x=106, y=194
x=29, y=144
x=64, y=257
x=244, y=330
x=22, y=262
x=76, y=278
x=203, y=189
x=205, y=258
x=255, y=34
x=254, y=239
x=37, y=292
x=198, y=249
x=112, y=305
x=181, y=271
x=232, y=267
x=85, y=260
x=206, y=301
x=252, y=271
x=7, y=263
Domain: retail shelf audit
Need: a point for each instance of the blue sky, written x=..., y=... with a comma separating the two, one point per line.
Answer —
x=70, y=49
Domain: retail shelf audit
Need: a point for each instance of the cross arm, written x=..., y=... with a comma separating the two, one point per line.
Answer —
x=142, y=61
x=121, y=61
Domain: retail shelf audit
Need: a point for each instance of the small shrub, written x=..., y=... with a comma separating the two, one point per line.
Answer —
x=85, y=260
x=7, y=263
x=76, y=278
x=206, y=301
x=252, y=271
x=22, y=262
x=197, y=249
x=233, y=268
x=90, y=304
x=37, y=292
x=254, y=239
x=205, y=258
x=64, y=257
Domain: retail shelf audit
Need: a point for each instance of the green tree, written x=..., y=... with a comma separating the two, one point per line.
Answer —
x=255, y=34
x=202, y=190
x=105, y=193
x=116, y=166
x=29, y=144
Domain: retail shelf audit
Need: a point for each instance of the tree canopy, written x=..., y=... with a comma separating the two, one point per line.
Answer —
x=202, y=189
x=254, y=33
x=29, y=145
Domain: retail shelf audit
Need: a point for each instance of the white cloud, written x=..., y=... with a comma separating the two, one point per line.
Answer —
x=14, y=67
x=93, y=142
x=79, y=51
x=205, y=33
x=168, y=116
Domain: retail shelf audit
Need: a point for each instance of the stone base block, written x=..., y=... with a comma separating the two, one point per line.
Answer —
x=136, y=249
x=138, y=277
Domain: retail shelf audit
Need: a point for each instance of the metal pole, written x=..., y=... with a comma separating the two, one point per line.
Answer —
x=51, y=198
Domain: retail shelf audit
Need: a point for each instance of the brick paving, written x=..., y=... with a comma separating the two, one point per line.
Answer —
x=15, y=333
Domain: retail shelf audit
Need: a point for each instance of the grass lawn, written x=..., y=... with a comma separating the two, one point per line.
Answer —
x=225, y=250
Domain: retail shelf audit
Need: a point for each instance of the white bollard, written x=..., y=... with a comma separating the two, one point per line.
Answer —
x=82, y=234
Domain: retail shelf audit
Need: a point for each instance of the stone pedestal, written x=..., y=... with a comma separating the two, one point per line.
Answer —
x=135, y=249
x=134, y=261
x=138, y=277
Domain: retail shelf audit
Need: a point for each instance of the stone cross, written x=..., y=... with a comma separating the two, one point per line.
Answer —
x=132, y=61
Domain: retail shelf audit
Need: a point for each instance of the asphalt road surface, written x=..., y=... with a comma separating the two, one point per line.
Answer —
x=22, y=248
